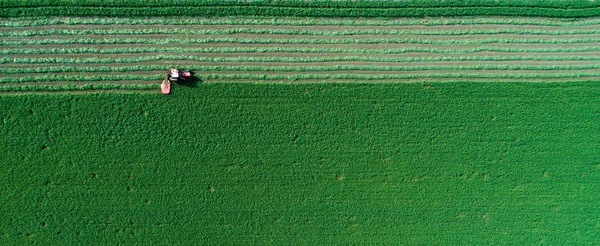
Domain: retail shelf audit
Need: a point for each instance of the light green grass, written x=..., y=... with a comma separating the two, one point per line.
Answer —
x=299, y=41
x=322, y=68
x=83, y=50
x=298, y=31
x=304, y=59
x=431, y=163
x=72, y=87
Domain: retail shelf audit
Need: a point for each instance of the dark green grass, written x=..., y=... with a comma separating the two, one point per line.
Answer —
x=360, y=8
x=274, y=10
x=420, y=163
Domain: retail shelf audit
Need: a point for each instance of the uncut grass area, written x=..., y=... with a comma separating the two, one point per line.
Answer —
x=413, y=163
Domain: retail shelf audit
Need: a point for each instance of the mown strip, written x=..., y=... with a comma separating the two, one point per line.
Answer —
x=289, y=59
x=267, y=77
x=100, y=69
x=291, y=21
x=81, y=50
x=299, y=31
x=297, y=41
x=74, y=87
x=298, y=11
x=80, y=78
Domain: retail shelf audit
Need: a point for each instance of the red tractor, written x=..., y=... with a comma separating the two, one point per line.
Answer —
x=174, y=75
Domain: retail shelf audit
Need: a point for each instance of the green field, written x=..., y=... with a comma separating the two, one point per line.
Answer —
x=420, y=163
x=476, y=125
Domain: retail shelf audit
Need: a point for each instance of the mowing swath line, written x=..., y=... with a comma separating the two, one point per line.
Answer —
x=304, y=59
x=297, y=41
x=97, y=69
x=181, y=31
x=412, y=80
x=42, y=21
x=291, y=50
x=396, y=76
x=115, y=88
x=81, y=78
x=72, y=87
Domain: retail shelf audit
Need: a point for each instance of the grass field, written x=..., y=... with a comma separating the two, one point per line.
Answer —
x=301, y=130
x=431, y=163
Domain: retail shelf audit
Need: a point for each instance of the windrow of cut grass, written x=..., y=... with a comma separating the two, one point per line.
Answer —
x=286, y=59
x=82, y=78
x=100, y=69
x=68, y=54
x=299, y=31
x=81, y=50
x=296, y=21
x=75, y=87
x=495, y=40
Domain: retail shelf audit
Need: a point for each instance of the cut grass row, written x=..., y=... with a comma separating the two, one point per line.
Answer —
x=291, y=21
x=81, y=50
x=76, y=87
x=100, y=69
x=276, y=73
x=289, y=59
x=189, y=31
x=297, y=41
x=283, y=77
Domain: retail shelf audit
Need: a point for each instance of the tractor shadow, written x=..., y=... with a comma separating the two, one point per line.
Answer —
x=191, y=82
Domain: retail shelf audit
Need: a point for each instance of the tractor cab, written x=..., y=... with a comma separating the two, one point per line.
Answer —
x=173, y=74
x=178, y=75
